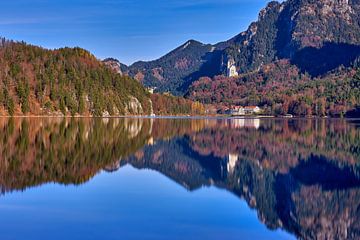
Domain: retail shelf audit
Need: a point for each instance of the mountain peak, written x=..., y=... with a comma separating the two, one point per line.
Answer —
x=270, y=6
x=191, y=42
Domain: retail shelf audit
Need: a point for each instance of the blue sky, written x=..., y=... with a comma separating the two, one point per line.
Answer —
x=129, y=30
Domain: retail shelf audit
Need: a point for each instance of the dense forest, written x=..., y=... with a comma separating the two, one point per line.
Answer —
x=281, y=88
x=166, y=104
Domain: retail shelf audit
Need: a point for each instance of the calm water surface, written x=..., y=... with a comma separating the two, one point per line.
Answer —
x=179, y=179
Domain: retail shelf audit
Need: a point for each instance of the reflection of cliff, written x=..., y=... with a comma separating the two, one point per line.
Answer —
x=309, y=210
x=323, y=200
x=300, y=175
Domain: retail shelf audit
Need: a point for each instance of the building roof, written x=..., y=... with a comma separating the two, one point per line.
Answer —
x=251, y=107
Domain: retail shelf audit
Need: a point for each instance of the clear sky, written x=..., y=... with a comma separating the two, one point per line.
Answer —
x=129, y=30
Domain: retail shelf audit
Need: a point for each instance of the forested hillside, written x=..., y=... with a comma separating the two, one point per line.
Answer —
x=281, y=88
x=65, y=81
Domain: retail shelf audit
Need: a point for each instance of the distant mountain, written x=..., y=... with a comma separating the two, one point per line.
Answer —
x=175, y=71
x=317, y=36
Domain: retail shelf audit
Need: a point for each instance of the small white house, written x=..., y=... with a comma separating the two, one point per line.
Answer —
x=252, y=110
x=236, y=111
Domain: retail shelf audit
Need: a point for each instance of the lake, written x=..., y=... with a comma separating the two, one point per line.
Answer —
x=132, y=178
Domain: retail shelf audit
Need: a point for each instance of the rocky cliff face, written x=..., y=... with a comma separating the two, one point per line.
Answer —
x=297, y=29
x=134, y=107
x=114, y=64
x=316, y=22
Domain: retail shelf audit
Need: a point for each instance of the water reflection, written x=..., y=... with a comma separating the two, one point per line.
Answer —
x=299, y=175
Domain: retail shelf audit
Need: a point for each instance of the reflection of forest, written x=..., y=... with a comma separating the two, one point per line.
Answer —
x=280, y=144
x=34, y=151
x=70, y=151
x=300, y=175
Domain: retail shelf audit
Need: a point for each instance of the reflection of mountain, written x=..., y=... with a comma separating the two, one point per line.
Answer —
x=300, y=175
x=289, y=171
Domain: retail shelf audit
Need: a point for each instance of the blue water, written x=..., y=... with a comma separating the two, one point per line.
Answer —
x=129, y=204
x=179, y=179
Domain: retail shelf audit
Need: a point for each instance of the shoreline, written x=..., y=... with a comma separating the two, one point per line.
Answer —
x=195, y=117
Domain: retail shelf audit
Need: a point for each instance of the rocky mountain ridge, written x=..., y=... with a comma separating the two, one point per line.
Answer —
x=316, y=36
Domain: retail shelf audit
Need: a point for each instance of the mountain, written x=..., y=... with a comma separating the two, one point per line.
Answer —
x=72, y=81
x=316, y=36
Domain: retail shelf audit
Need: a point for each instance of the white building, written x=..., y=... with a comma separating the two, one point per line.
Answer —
x=242, y=111
x=237, y=111
x=231, y=68
x=252, y=110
